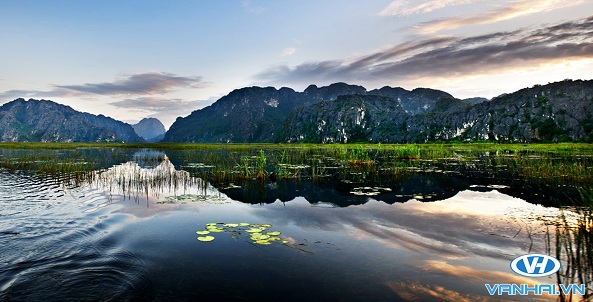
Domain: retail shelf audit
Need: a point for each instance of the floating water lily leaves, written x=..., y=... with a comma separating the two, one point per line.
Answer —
x=209, y=199
x=206, y=238
x=241, y=230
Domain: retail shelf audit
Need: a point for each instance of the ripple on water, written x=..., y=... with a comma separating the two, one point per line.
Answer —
x=51, y=249
x=85, y=274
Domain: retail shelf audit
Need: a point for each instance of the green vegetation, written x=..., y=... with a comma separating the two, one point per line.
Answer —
x=574, y=245
x=224, y=164
x=257, y=234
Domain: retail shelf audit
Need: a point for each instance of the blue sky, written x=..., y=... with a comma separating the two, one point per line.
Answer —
x=164, y=59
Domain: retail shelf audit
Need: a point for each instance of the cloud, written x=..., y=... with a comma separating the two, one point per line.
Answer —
x=14, y=94
x=419, y=292
x=472, y=274
x=142, y=84
x=166, y=110
x=415, y=226
x=478, y=277
x=139, y=84
x=252, y=9
x=162, y=105
x=449, y=56
x=513, y=10
x=289, y=51
x=405, y=8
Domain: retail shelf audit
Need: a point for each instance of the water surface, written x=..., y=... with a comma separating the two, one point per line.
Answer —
x=127, y=232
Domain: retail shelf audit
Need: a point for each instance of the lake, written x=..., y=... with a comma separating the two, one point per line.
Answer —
x=291, y=223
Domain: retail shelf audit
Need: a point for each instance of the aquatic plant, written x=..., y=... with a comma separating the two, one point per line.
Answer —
x=406, y=151
x=237, y=230
x=224, y=165
x=260, y=164
x=574, y=244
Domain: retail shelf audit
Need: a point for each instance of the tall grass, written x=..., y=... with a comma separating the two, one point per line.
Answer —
x=574, y=244
x=550, y=165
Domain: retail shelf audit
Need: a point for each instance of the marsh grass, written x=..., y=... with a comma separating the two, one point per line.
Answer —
x=550, y=164
x=409, y=151
x=574, y=245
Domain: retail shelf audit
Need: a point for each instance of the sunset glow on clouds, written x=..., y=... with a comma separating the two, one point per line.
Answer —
x=135, y=59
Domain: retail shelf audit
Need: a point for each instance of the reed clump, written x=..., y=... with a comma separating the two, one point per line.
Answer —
x=574, y=245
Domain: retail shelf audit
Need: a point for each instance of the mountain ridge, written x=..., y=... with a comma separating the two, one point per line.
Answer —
x=257, y=114
x=47, y=121
x=337, y=113
x=559, y=111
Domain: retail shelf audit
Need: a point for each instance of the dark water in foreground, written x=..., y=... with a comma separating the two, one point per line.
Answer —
x=93, y=241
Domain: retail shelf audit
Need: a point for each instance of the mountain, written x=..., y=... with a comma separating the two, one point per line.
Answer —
x=249, y=114
x=561, y=111
x=46, y=121
x=150, y=129
x=349, y=118
x=475, y=100
x=256, y=114
x=419, y=100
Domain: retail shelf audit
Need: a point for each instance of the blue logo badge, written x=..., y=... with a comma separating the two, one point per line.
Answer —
x=535, y=265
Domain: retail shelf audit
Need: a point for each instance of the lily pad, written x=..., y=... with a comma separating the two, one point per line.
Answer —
x=264, y=242
x=253, y=230
x=231, y=225
x=206, y=238
x=266, y=225
x=243, y=224
x=264, y=237
x=273, y=233
x=203, y=232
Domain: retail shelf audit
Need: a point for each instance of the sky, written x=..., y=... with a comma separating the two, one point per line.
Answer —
x=145, y=58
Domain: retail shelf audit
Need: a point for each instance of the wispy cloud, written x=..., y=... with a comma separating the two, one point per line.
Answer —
x=289, y=51
x=139, y=84
x=57, y=92
x=449, y=56
x=142, y=84
x=419, y=292
x=512, y=10
x=166, y=110
x=253, y=9
x=405, y=8
x=156, y=104
x=478, y=277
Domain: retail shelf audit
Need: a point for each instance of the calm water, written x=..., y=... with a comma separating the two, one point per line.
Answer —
x=129, y=234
